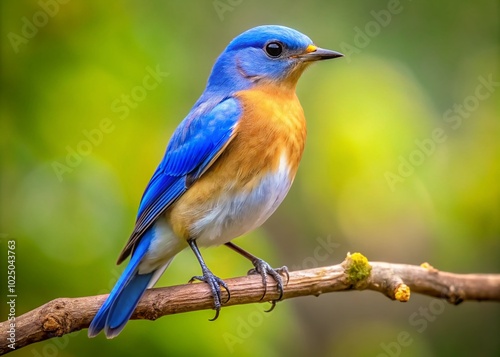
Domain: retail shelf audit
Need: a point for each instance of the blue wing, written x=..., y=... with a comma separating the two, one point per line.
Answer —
x=196, y=143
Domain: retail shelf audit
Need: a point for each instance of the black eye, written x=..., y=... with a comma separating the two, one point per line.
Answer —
x=274, y=49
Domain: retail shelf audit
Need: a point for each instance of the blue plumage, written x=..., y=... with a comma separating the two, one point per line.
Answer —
x=199, y=138
x=196, y=142
x=243, y=63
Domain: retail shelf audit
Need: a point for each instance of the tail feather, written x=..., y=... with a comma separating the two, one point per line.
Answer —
x=121, y=302
x=124, y=305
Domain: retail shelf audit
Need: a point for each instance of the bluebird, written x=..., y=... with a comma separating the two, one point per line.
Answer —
x=227, y=167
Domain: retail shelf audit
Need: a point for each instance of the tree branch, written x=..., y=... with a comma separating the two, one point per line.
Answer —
x=65, y=315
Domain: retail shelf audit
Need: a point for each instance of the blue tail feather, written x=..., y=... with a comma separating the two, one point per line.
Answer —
x=125, y=303
x=121, y=302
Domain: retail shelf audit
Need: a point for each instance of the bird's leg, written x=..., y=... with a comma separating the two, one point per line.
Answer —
x=264, y=269
x=208, y=277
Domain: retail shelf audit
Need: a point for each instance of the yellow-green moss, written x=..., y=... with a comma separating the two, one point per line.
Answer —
x=357, y=268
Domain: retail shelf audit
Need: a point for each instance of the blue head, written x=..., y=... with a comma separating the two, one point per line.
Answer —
x=265, y=54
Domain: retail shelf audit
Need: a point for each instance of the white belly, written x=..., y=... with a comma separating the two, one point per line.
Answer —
x=236, y=214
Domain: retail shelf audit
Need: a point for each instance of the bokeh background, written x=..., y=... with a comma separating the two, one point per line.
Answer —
x=401, y=164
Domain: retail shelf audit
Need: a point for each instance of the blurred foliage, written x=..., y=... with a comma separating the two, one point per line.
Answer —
x=80, y=140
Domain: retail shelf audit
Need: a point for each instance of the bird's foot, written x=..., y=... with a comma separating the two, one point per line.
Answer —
x=214, y=283
x=264, y=269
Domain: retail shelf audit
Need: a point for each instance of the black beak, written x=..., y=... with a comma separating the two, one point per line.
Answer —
x=314, y=53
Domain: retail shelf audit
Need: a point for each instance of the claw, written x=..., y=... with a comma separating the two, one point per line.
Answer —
x=273, y=305
x=263, y=268
x=208, y=277
x=214, y=283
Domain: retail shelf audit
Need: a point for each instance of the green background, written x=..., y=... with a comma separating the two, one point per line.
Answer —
x=373, y=179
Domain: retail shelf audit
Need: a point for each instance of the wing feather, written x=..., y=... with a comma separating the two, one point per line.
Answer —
x=196, y=143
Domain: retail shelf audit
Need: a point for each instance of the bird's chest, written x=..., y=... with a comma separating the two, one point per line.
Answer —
x=272, y=130
x=239, y=208
x=253, y=175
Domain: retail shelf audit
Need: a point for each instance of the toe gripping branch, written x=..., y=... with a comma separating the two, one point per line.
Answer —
x=264, y=269
x=260, y=267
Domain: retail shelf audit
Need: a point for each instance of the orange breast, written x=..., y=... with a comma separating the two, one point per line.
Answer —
x=272, y=126
x=272, y=123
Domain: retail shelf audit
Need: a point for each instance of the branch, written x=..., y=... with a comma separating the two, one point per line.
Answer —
x=65, y=315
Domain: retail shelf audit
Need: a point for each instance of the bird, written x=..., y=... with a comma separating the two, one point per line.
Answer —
x=227, y=167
